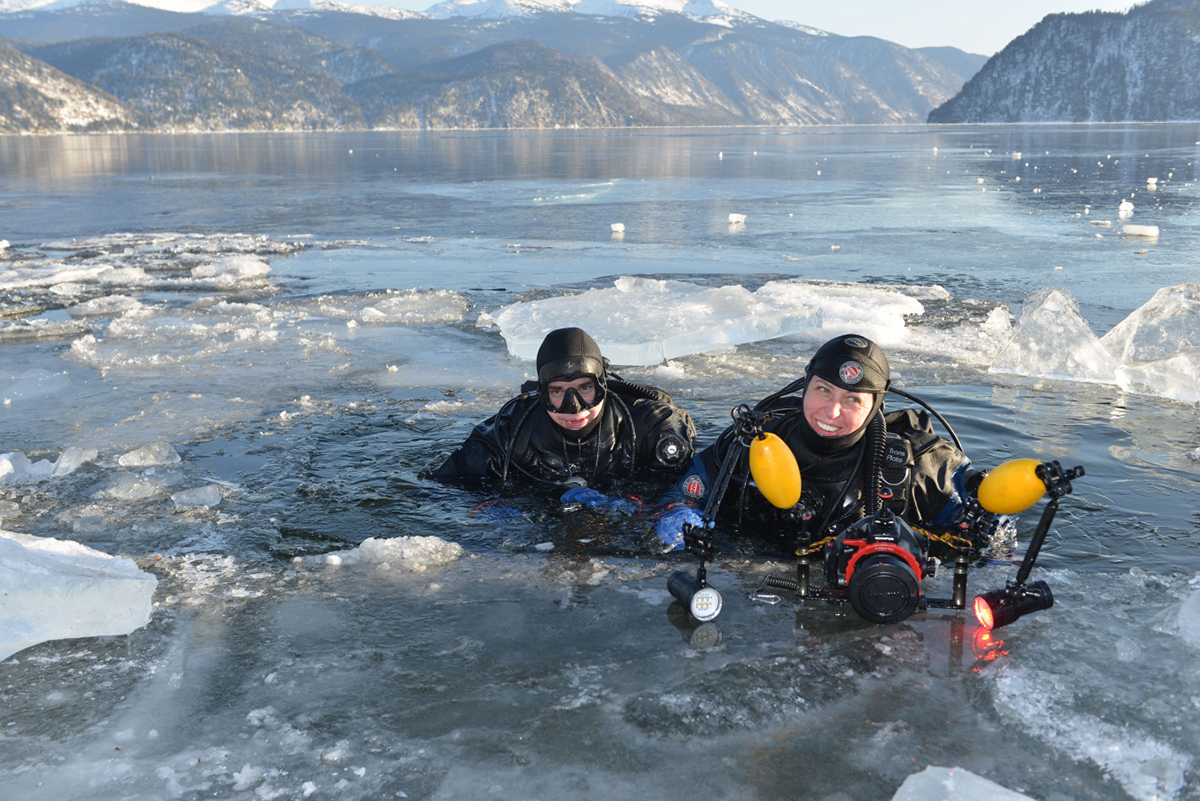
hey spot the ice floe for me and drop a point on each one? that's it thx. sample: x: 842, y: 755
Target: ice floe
x: 643, y: 321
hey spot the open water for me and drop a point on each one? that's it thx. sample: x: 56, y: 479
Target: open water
x: 309, y: 322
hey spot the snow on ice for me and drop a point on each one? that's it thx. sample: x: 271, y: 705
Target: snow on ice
x: 414, y: 554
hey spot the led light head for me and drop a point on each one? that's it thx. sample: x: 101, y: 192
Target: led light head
x: 704, y: 603
x: 998, y: 608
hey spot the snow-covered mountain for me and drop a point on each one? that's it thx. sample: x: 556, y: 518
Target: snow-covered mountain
x: 471, y: 9
x: 1093, y: 67
x: 323, y: 64
x: 218, y: 7
x: 37, y: 98
x: 501, y: 9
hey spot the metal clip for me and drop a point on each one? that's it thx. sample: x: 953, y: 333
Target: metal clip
x: 765, y: 597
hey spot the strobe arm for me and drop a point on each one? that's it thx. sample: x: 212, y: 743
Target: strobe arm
x: 1000, y: 607
x: 1058, y: 484
x: 704, y: 602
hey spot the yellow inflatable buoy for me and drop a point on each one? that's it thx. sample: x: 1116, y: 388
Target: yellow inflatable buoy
x: 1012, y: 487
x: 775, y: 471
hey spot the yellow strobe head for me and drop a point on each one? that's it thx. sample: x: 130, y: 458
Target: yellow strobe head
x: 1012, y: 487
x: 775, y: 470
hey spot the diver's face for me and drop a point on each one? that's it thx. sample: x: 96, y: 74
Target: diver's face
x: 586, y: 387
x: 834, y: 412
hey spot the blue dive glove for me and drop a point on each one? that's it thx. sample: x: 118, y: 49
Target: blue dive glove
x: 669, y: 528
x: 589, y: 498
x: 496, y: 510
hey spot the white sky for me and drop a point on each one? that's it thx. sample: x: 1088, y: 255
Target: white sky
x: 977, y: 27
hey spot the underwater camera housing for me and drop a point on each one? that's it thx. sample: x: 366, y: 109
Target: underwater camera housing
x: 880, y: 561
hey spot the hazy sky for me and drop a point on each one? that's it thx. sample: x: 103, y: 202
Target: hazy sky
x: 977, y: 27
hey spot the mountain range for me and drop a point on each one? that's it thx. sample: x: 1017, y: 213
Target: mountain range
x: 322, y: 65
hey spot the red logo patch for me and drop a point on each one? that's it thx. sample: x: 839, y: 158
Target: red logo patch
x: 851, y: 373
x: 693, y: 487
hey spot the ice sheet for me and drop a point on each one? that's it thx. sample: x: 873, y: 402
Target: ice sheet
x: 1045, y: 706
x: 56, y: 589
x: 643, y: 321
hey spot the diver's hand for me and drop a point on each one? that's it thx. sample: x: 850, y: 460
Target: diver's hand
x: 588, y: 498
x: 669, y: 528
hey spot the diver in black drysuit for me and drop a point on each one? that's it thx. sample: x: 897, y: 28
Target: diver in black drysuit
x: 853, y: 462
x: 577, y: 426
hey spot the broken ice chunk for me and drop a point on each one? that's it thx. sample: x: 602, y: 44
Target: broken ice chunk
x: 71, y: 459
x: 156, y: 453
x: 1157, y: 347
x: 55, y: 589
x: 207, y: 496
x: 952, y: 784
x: 1052, y: 339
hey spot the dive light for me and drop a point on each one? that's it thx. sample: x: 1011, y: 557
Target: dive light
x: 1000, y: 607
x: 702, y: 601
x: 778, y: 478
x: 1014, y: 487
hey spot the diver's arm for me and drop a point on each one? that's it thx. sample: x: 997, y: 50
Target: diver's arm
x: 952, y: 495
x: 666, y: 435
x: 477, y: 459
x: 481, y: 456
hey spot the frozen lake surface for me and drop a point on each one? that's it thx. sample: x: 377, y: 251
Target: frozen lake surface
x: 229, y: 363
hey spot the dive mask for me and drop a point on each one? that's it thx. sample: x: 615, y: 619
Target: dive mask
x: 571, y: 401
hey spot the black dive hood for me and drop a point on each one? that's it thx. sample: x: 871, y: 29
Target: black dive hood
x: 853, y: 363
x: 565, y: 355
